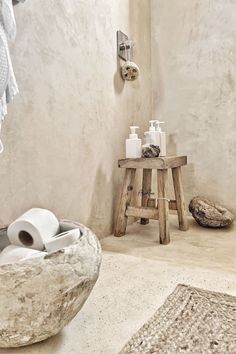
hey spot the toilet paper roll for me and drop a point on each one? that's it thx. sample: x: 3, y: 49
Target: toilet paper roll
x: 62, y: 240
x: 33, y: 228
x: 12, y: 254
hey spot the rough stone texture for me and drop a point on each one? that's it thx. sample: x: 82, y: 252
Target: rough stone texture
x: 73, y: 103
x: 194, y: 91
x: 39, y: 296
x: 210, y: 214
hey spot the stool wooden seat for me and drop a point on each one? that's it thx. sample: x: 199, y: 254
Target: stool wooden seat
x: 149, y: 209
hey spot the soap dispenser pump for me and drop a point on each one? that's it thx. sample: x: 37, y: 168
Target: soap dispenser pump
x: 133, y: 145
x: 161, y: 138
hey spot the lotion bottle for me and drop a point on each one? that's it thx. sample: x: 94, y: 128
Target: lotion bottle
x: 152, y: 132
x: 133, y: 145
x: 161, y: 139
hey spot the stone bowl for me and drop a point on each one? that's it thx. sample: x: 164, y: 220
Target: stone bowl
x: 40, y: 295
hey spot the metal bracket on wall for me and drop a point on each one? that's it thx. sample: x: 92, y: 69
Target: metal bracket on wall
x: 124, y: 46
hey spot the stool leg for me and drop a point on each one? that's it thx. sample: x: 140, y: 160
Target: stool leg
x: 179, y: 196
x: 125, y: 198
x: 163, y: 206
x: 146, y: 190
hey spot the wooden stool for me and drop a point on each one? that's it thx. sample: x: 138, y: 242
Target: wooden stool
x: 149, y: 210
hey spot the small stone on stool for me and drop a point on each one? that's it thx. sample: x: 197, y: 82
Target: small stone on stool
x: 150, y: 151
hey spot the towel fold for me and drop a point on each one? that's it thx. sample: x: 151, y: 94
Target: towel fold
x: 7, y: 19
x: 8, y: 83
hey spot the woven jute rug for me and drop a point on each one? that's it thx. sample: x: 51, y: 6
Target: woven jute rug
x: 191, y: 321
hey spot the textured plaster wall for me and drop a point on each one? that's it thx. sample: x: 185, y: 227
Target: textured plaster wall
x: 66, y: 129
x: 194, y: 78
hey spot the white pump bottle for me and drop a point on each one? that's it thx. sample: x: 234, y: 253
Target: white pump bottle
x: 160, y: 138
x: 133, y: 145
x: 152, y: 132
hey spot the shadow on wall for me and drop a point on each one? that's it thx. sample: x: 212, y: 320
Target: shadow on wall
x: 171, y: 145
x: 188, y: 172
x: 189, y: 178
x: 158, y: 91
x: 102, y: 203
x: 105, y: 200
x: 118, y: 82
x: 136, y: 9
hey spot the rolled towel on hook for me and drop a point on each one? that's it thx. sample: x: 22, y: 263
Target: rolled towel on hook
x: 130, y: 71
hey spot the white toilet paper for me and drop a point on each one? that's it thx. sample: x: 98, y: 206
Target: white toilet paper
x: 62, y: 240
x: 33, y: 228
x: 13, y: 253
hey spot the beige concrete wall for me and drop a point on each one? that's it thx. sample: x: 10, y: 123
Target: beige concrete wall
x: 194, y: 75
x: 65, y: 131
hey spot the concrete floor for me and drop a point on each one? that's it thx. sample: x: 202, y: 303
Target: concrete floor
x: 209, y: 248
x: 137, y: 275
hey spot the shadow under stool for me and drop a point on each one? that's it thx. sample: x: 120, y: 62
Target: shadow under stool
x: 149, y: 209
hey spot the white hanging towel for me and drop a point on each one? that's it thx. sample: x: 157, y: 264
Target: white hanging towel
x: 7, y: 35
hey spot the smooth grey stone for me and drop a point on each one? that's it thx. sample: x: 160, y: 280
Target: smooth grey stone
x: 210, y: 214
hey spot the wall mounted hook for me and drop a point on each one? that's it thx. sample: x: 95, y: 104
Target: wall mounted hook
x: 124, y: 46
x: 129, y: 70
